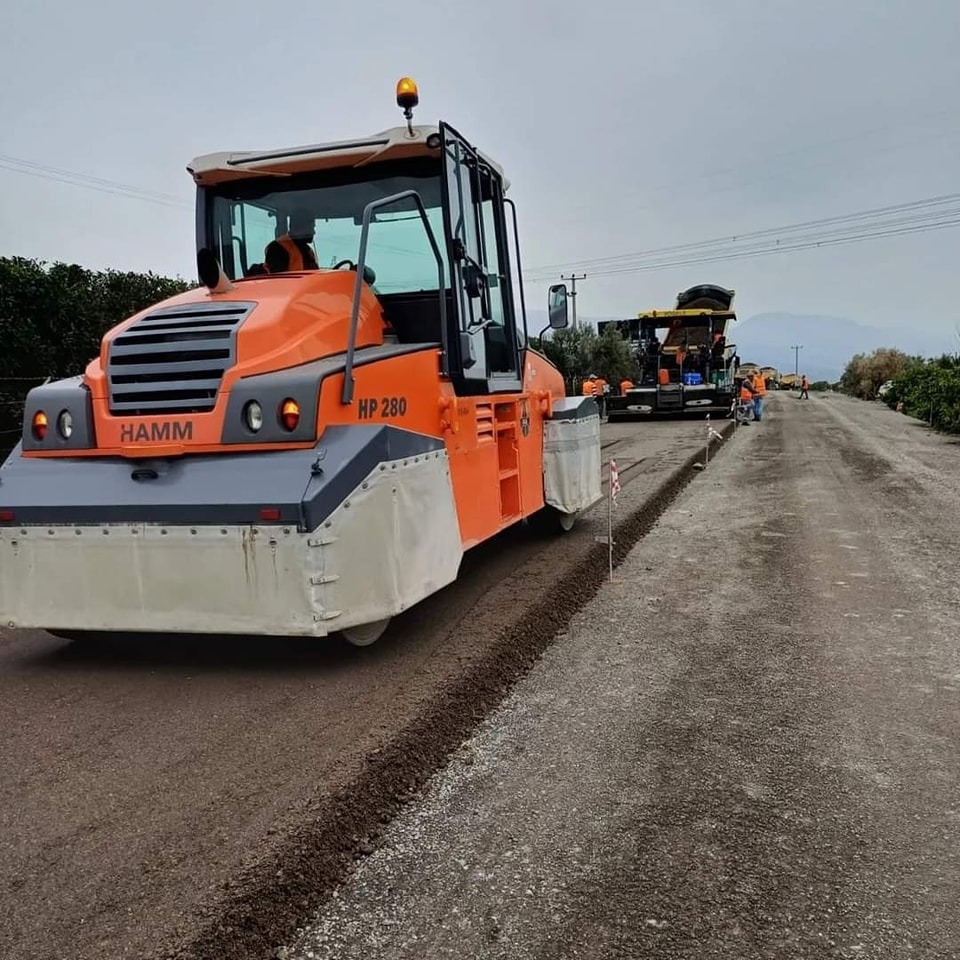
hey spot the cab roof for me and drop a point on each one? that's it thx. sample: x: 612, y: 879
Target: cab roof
x: 395, y: 143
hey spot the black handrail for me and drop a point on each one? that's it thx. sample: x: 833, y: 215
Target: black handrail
x: 516, y: 241
x: 368, y: 210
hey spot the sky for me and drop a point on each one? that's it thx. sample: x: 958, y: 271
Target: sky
x: 623, y: 126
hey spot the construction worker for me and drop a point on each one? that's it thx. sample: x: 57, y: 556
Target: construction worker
x: 746, y: 399
x: 587, y: 389
x: 760, y: 392
x: 625, y: 385
x: 804, y: 387
x: 600, y: 390
x: 293, y: 250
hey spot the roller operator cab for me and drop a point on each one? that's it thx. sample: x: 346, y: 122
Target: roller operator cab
x: 308, y: 441
x: 685, y: 363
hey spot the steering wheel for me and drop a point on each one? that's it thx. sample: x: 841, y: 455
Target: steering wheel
x: 368, y: 273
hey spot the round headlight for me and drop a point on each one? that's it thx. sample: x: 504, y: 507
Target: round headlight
x: 253, y: 415
x: 65, y: 424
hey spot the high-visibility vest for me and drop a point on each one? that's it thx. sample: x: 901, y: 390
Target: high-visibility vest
x: 598, y: 385
x: 745, y: 394
x: 625, y: 385
x: 759, y: 384
x: 587, y: 389
x: 287, y: 255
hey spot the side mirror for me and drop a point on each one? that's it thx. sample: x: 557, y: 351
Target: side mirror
x: 557, y: 306
x: 211, y: 273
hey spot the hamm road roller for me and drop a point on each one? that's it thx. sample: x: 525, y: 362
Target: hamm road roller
x: 307, y: 442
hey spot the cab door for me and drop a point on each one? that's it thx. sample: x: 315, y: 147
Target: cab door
x: 484, y: 344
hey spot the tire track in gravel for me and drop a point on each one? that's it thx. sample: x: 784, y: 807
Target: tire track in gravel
x: 198, y: 797
x: 254, y: 916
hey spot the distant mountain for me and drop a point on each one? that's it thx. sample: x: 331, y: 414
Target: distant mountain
x: 828, y: 342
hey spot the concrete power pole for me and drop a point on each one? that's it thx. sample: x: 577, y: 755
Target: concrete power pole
x: 796, y: 359
x: 573, y: 278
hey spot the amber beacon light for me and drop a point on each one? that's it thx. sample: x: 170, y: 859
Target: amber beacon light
x: 408, y: 96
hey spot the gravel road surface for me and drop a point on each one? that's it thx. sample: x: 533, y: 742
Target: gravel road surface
x: 196, y: 798
x: 744, y: 747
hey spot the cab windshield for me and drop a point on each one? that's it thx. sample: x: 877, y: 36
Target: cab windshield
x: 322, y: 213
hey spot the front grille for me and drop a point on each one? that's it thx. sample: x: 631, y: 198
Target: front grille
x: 173, y: 359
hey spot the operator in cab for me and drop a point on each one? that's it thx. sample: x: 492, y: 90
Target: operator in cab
x: 292, y: 251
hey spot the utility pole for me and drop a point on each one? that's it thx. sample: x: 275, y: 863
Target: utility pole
x: 796, y: 359
x: 573, y: 278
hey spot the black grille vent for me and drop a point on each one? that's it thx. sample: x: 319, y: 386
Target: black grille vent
x: 173, y: 360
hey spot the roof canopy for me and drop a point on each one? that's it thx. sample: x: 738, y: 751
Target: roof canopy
x: 397, y: 143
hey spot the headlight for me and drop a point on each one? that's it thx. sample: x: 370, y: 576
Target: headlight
x: 65, y: 424
x: 253, y: 415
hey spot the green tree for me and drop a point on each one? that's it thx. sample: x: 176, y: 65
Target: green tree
x: 571, y: 351
x: 613, y: 357
x: 52, y: 318
x: 930, y: 391
x: 865, y: 373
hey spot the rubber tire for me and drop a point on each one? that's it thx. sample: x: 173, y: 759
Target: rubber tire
x: 561, y: 522
x: 365, y: 634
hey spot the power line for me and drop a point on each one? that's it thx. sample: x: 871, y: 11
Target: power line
x: 848, y: 218
x: 775, y: 245
x: 774, y: 249
x: 115, y: 187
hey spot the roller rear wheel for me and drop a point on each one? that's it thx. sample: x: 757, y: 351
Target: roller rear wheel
x: 365, y: 634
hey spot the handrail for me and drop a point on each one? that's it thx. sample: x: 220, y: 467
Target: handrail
x: 519, y: 278
x: 368, y: 210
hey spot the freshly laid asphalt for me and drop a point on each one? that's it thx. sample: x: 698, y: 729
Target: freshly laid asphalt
x: 743, y: 747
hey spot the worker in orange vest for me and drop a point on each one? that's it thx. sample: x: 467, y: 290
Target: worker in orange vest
x: 293, y: 251
x: 760, y: 392
x: 600, y: 389
x: 804, y: 387
x: 625, y: 385
x: 746, y: 398
x: 587, y: 389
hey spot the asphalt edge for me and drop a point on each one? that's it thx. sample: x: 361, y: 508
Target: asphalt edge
x: 266, y: 906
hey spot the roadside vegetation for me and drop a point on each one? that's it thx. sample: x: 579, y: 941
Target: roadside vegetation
x: 578, y: 352
x: 925, y: 388
x: 52, y: 317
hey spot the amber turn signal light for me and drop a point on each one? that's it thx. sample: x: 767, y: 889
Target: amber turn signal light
x: 39, y: 425
x: 290, y: 414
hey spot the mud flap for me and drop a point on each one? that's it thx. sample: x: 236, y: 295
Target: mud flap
x: 571, y: 455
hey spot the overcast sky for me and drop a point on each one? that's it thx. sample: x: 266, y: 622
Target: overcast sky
x: 623, y: 126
